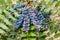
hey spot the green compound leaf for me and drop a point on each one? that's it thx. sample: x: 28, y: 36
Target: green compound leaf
x: 4, y: 26
x: 57, y: 35
x: 32, y: 27
x: 23, y: 35
x: 32, y: 34
x: 32, y: 38
x: 9, y: 15
x: 2, y: 32
x: 10, y: 39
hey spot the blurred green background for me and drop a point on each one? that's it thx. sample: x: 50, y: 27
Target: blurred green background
x: 6, y: 26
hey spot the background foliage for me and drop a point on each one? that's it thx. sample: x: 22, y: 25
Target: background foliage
x: 6, y: 25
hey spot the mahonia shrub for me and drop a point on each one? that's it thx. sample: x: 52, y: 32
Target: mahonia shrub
x: 29, y: 19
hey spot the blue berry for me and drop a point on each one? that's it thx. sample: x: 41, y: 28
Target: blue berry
x: 26, y: 24
x: 18, y: 22
x: 16, y: 6
x: 21, y: 4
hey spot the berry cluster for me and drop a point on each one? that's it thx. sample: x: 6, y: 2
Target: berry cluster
x: 29, y: 14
